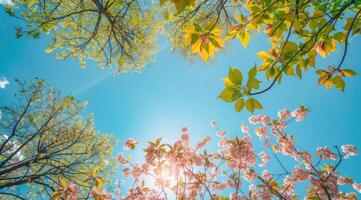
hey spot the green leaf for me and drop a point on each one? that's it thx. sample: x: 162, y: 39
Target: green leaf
x: 229, y: 84
x: 253, y: 82
x: 235, y: 76
x: 298, y: 71
x: 290, y: 71
x: 249, y: 105
x: 252, y: 104
x: 257, y: 104
x: 320, y: 71
x: 9, y: 10
x: 348, y: 72
x: 290, y: 47
x: 19, y: 32
x: 229, y: 95
x: 239, y: 105
x: 339, y: 83
x: 340, y: 37
x: 265, y: 56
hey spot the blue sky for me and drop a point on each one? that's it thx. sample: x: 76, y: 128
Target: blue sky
x: 171, y: 93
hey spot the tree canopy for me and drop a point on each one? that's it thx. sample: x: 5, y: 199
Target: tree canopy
x: 297, y: 31
x: 45, y: 145
x: 113, y: 33
x: 124, y: 33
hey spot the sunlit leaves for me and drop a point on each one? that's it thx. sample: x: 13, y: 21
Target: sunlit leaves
x: 325, y: 47
x: 334, y: 77
x: 234, y: 91
x: 338, y: 83
x: 252, y: 104
x: 267, y: 57
x: 253, y: 82
x: 298, y: 32
x: 348, y: 72
x: 239, y: 105
x: 180, y: 5
x: 356, y: 26
x: 235, y: 76
x: 324, y: 78
x: 120, y: 34
x: 237, y: 31
x: 57, y: 143
x: 230, y: 94
x: 203, y: 41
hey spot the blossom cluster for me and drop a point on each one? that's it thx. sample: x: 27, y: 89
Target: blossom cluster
x: 235, y: 170
x: 186, y: 171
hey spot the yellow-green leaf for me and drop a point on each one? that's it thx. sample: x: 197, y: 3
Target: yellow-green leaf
x: 249, y: 105
x: 239, y: 105
x: 229, y: 95
x: 338, y: 83
x: 63, y: 183
x: 348, y: 72
x: 235, y: 76
x: 265, y: 56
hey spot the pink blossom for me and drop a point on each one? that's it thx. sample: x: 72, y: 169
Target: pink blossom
x: 138, y: 193
x: 264, y: 119
x: 100, y: 194
x: 71, y: 192
x: 219, y: 186
x: 234, y: 184
x: 118, y: 193
x: 349, y: 150
x: 185, y: 136
x: 241, y: 154
x: 221, y: 134
x: 126, y: 172
x: 265, y: 194
x: 252, y: 187
x: 357, y: 187
x: 130, y: 144
x: 300, y: 174
x: 286, y: 146
x: 249, y: 175
x: 184, y: 129
x: 244, y: 129
x: 284, y: 114
x: 289, y: 185
x: 136, y: 172
x: 306, y: 159
x: 264, y: 159
x: 254, y: 120
x: 299, y: 114
x: 343, y: 180
x: 222, y: 143
x: 266, y: 175
x: 326, y: 153
x: 280, y: 126
x: 261, y: 132
x: 234, y: 196
x: 330, y: 182
x: 203, y: 142
x: 214, y: 123
x: 122, y: 160
x: 198, y: 160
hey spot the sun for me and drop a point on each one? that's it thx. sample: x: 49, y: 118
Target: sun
x: 165, y: 175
